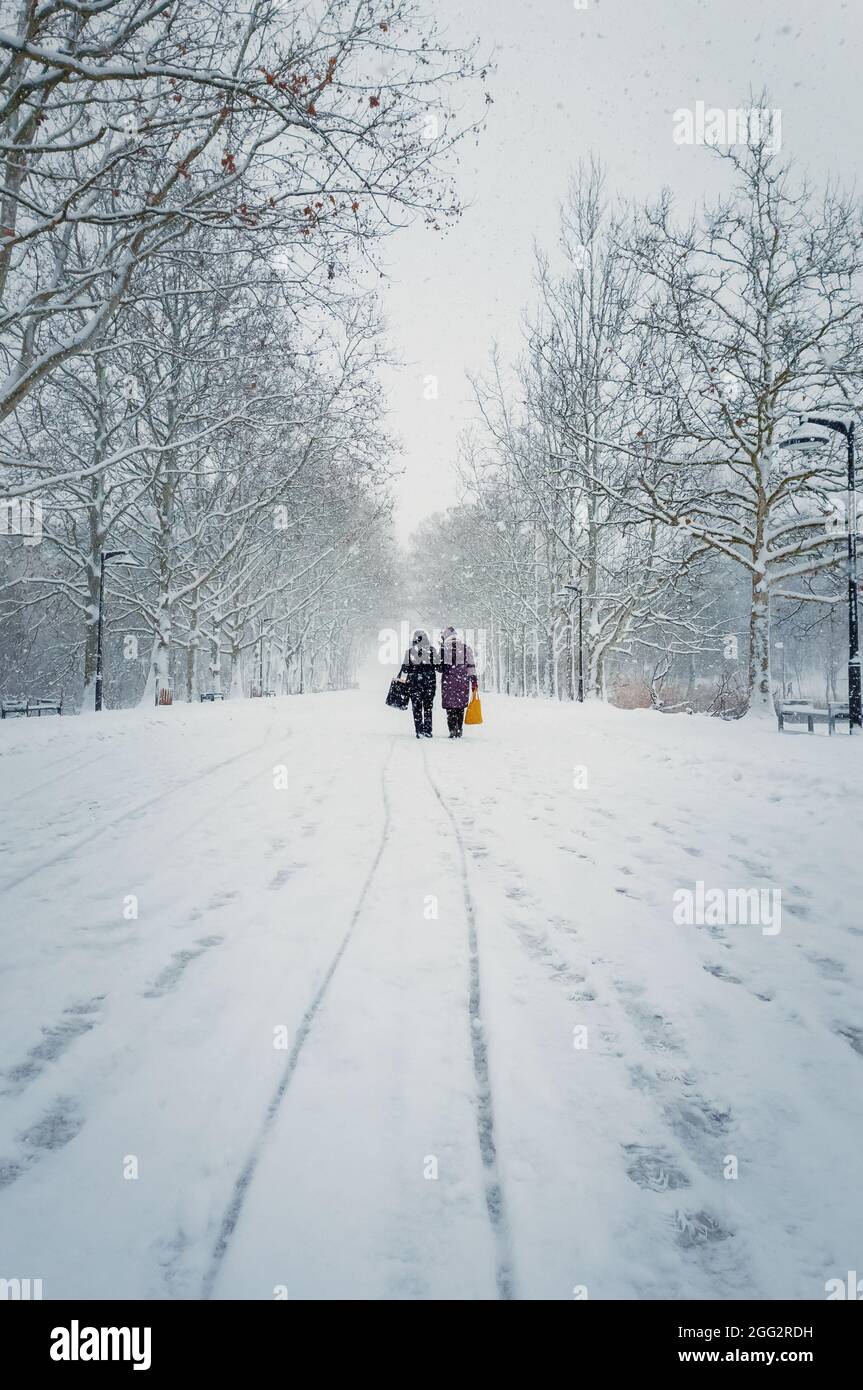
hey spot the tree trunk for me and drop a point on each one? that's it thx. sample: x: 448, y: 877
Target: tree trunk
x: 216, y: 657
x: 96, y: 526
x: 160, y: 657
x: 236, y: 688
x: 193, y: 648
x: 760, y: 694
x: 91, y: 636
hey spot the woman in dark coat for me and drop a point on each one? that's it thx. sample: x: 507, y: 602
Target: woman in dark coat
x: 458, y: 678
x: 418, y: 668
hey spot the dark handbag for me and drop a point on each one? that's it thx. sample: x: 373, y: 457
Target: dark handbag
x: 399, y: 696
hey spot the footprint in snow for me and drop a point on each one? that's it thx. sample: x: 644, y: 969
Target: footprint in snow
x: 695, y: 1117
x: 78, y: 1019
x: 170, y: 1251
x: 674, y: 1076
x: 653, y: 1169
x: 534, y: 944
x: 168, y: 978
x: 221, y: 900
x: 698, y: 1228
x: 852, y: 1035
x: 829, y: 968
x: 57, y: 1127
x: 641, y: 1078
x: 10, y: 1171
x: 538, y: 948
x: 699, y: 1127
x: 656, y: 1031
x: 562, y: 975
x: 799, y: 910
x: 801, y: 892
x: 609, y: 1043
x: 585, y: 858
x: 564, y: 924
x: 720, y: 973
x: 756, y: 870
x: 713, y: 930
x: 284, y: 875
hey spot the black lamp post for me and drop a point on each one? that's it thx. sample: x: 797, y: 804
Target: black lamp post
x: 855, y: 706
x: 106, y: 555
x: 574, y: 589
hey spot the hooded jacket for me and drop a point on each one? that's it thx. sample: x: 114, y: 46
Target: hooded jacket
x: 419, y: 666
x: 458, y: 670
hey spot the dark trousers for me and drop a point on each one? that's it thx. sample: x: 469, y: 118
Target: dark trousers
x: 455, y: 721
x: 422, y: 704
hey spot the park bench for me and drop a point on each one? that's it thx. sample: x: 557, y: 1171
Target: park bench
x: 210, y: 695
x: 841, y: 714
x: 42, y: 706
x: 29, y: 708
x: 804, y: 712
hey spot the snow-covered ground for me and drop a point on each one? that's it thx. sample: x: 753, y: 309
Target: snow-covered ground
x: 421, y: 1023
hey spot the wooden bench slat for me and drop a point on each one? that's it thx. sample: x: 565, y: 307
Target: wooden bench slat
x: 39, y: 706
x: 802, y: 712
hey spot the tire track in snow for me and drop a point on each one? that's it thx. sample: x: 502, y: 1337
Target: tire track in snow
x: 494, y: 1199
x: 244, y: 1180
x: 58, y: 1037
x: 70, y: 850
x: 49, y: 782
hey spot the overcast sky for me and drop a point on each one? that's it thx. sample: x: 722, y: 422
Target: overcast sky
x: 570, y: 82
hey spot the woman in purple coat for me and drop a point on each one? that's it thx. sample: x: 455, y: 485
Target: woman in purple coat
x: 458, y: 678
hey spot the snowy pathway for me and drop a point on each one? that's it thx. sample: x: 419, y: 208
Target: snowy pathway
x: 419, y: 1024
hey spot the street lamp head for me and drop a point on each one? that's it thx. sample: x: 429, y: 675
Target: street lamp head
x: 123, y: 557
x: 808, y: 439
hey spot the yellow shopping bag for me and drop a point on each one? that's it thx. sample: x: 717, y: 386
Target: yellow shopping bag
x: 473, y: 714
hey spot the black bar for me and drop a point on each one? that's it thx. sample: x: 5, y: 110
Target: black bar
x: 242, y: 1337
